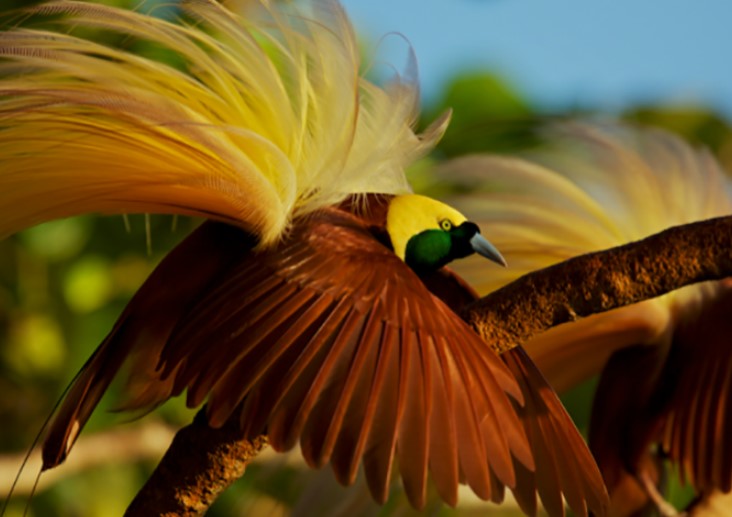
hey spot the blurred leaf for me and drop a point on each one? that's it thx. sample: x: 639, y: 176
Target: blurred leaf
x: 36, y: 345
x: 488, y: 115
x: 696, y: 124
x: 57, y: 240
x: 88, y: 284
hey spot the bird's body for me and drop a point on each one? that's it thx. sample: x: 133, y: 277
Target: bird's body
x: 327, y: 339
x: 330, y: 340
x: 314, y: 307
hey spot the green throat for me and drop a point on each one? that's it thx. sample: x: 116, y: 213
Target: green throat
x: 431, y: 249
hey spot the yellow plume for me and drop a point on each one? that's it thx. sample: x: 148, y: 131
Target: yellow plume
x: 266, y: 118
x: 593, y: 188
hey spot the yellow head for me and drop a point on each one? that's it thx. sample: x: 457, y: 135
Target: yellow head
x: 427, y: 234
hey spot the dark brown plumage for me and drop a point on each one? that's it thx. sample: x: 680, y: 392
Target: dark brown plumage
x: 565, y: 469
x: 328, y: 339
x: 670, y: 401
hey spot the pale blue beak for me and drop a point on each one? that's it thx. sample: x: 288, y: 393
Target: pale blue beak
x: 484, y: 248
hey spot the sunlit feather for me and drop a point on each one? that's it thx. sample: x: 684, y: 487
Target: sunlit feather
x: 593, y: 188
x: 266, y: 118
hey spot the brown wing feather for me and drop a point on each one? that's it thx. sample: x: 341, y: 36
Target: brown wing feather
x: 678, y: 395
x: 142, y: 329
x: 698, y: 429
x: 564, y: 463
x: 564, y: 466
x: 331, y: 340
x: 378, y: 455
x: 443, y: 444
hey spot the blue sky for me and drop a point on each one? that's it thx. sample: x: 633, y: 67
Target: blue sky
x: 606, y: 54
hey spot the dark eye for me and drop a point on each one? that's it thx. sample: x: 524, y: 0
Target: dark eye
x: 446, y: 225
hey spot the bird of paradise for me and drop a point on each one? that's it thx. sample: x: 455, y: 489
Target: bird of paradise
x: 666, y: 365
x: 314, y: 305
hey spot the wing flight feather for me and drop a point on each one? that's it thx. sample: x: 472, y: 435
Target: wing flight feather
x: 373, y: 369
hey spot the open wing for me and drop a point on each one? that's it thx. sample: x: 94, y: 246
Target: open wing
x: 328, y: 339
x: 331, y: 340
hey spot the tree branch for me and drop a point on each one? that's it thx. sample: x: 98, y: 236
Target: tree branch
x: 604, y: 280
x: 201, y: 462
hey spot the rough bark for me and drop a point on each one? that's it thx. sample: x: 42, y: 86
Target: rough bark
x: 202, y: 462
x: 603, y: 280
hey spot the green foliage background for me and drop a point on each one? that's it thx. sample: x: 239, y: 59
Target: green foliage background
x: 63, y: 284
